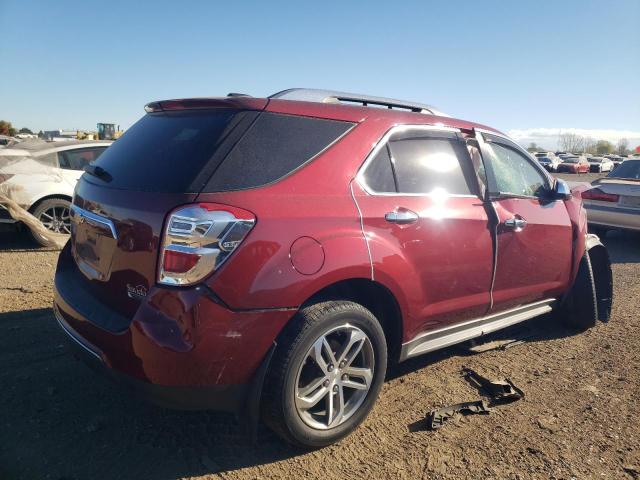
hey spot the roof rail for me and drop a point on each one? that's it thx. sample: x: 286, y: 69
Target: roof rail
x: 331, y: 96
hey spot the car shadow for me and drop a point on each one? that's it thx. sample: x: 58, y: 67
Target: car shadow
x: 60, y: 420
x: 539, y: 329
x: 623, y: 246
x: 18, y: 239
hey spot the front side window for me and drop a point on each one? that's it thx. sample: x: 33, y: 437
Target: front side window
x: 514, y: 173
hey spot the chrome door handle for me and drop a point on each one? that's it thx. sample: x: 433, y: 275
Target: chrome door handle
x: 515, y: 223
x: 401, y: 217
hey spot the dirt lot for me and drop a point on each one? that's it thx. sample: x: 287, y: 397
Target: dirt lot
x: 579, y: 418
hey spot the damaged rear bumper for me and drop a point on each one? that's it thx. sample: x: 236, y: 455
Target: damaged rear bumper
x: 180, y: 350
x: 227, y: 398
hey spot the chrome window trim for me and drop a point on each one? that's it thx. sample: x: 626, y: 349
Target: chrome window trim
x: 92, y: 217
x: 382, y: 143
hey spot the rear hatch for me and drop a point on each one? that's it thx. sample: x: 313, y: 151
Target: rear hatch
x: 119, y: 207
x: 163, y: 162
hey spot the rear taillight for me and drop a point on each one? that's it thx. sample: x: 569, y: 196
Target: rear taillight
x: 198, y: 238
x: 597, y: 194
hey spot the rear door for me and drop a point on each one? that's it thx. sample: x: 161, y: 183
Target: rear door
x: 426, y: 226
x: 534, y: 235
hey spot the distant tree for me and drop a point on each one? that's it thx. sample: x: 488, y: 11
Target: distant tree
x: 40, y: 134
x: 533, y: 147
x: 25, y: 130
x: 623, y: 146
x: 604, y: 147
x: 6, y: 128
x: 571, y: 142
x: 589, y: 145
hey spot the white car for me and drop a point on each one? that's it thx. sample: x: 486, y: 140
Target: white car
x: 600, y: 164
x: 41, y: 176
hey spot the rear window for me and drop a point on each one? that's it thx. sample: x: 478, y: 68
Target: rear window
x: 273, y: 147
x: 188, y: 151
x: 169, y: 151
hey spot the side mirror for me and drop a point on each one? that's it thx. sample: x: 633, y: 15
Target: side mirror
x: 561, y: 190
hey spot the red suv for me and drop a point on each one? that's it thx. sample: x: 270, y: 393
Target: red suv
x: 273, y: 256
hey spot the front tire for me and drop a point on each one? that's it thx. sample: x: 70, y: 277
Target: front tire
x: 325, y: 375
x: 580, y: 307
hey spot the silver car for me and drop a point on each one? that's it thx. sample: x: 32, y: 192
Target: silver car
x: 614, y: 201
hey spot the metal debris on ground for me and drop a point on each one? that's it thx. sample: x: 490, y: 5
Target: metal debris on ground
x: 499, y: 391
x: 436, y: 418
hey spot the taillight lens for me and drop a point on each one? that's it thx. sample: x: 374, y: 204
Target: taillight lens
x: 198, y: 238
x: 597, y: 194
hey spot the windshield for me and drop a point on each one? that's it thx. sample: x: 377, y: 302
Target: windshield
x: 571, y: 160
x: 627, y: 169
x: 595, y: 160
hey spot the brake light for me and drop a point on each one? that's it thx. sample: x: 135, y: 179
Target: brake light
x: 198, y: 238
x: 597, y: 194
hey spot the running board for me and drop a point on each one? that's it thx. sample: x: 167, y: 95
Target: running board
x: 430, y: 341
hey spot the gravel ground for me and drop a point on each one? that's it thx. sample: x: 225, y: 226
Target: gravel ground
x: 578, y: 419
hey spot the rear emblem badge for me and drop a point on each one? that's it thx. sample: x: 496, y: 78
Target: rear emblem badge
x: 136, y: 292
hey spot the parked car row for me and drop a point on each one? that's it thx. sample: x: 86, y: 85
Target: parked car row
x: 577, y: 163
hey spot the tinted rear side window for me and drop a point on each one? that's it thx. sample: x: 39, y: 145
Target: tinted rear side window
x: 423, y: 165
x: 273, y: 147
x: 168, y: 151
x: 379, y: 174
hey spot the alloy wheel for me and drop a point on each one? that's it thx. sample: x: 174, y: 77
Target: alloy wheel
x: 335, y: 377
x: 56, y: 219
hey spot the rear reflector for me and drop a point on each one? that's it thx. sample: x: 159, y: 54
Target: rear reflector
x: 599, y: 195
x: 198, y: 238
x: 179, y: 262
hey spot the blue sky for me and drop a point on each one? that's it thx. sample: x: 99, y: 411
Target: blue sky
x: 512, y: 65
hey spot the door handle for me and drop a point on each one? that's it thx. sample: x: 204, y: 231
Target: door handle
x: 401, y: 217
x: 515, y: 223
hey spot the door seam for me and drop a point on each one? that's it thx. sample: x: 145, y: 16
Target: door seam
x: 364, y: 236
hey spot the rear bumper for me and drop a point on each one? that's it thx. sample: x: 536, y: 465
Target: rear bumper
x: 181, y: 349
x: 614, y: 217
x: 228, y: 398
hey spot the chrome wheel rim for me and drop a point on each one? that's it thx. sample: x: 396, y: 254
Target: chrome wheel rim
x: 334, y: 377
x: 56, y: 219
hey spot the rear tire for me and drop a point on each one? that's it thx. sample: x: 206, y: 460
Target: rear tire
x: 580, y: 307
x: 295, y: 379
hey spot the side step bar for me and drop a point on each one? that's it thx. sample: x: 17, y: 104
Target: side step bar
x: 434, y: 340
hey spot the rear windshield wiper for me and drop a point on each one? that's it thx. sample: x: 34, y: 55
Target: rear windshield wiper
x: 99, y: 172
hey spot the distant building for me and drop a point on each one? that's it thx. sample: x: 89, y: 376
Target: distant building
x: 59, y: 134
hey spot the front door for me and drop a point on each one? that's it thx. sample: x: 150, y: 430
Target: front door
x: 426, y: 226
x: 534, y: 234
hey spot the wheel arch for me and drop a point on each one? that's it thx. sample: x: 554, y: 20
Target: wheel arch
x: 602, y: 275
x: 375, y: 297
x: 61, y: 196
